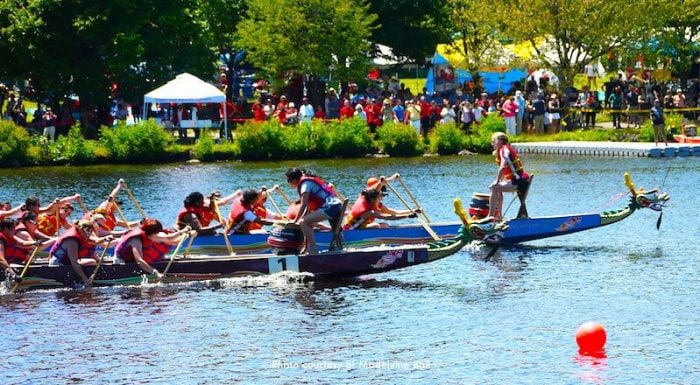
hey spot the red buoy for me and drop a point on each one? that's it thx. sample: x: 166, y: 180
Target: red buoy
x: 591, y: 338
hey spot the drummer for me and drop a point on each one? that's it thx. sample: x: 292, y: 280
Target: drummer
x: 511, y: 176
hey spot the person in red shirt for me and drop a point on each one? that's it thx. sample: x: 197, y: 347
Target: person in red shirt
x: 426, y: 111
x: 347, y: 111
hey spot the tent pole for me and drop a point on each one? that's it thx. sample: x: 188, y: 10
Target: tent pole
x: 225, y: 121
x: 145, y: 111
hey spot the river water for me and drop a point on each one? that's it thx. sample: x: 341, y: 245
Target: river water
x: 457, y: 321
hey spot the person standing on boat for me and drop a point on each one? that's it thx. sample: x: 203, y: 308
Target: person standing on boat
x: 198, y: 216
x: 510, y: 177
x: 657, y: 119
x: 147, y: 244
x: 316, y: 195
x: 248, y: 213
x: 76, y: 248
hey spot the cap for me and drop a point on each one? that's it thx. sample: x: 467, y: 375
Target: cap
x: 96, y: 217
x: 304, y: 99
x: 331, y: 89
x: 291, y: 105
x: 372, y: 181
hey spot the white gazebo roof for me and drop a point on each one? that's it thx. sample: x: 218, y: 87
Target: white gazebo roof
x: 185, y: 88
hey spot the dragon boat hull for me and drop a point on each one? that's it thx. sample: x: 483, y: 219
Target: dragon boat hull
x: 409, y: 234
x: 345, y: 263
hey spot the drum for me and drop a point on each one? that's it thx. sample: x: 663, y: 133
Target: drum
x: 479, y: 206
x: 285, y: 240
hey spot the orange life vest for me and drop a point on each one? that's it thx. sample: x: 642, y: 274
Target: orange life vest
x: 110, y: 219
x: 150, y: 251
x: 238, y: 224
x: 508, y: 172
x: 47, y: 224
x: 186, y: 211
x: 354, y: 219
x: 14, y: 253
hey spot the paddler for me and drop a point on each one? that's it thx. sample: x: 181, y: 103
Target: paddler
x: 147, y: 244
x: 248, y: 214
x: 12, y: 249
x: 315, y: 193
x: 76, y: 248
x: 198, y: 216
x: 28, y: 230
x: 49, y: 225
x: 33, y: 204
x: 107, y: 210
x: 511, y: 175
x: 369, y: 207
x: 6, y: 210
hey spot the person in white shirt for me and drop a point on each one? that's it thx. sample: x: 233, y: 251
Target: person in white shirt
x: 306, y: 111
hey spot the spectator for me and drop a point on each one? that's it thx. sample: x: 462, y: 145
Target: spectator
x: 538, y: 111
x: 49, y: 124
x: 332, y: 105
x: 346, y: 112
x: 306, y: 111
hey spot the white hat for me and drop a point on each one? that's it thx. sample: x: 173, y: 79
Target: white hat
x: 291, y: 105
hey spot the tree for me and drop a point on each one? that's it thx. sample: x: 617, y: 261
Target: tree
x: 328, y: 38
x: 476, y: 32
x: 412, y: 28
x: 576, y: 32
x: 89, y: 48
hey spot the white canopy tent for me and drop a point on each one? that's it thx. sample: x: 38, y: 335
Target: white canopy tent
x: 187, y: 88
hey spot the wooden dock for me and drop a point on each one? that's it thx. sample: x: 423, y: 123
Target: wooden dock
x: 611, y: 149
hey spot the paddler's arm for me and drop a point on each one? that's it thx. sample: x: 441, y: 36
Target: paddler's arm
x: 303, y: 207
x: 71, y: 246
x: 10, y: 212
x: 137, y: 252
x: 228, y: 199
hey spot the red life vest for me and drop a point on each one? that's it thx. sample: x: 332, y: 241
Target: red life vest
x: 110, y: 219
x: 238, y: 224
x: 150, y: 251
x: 206, y: 216
x: 86, y: 249
x: 14, y: 253
x: 197, y: 211
x: 261, y: 212
x: 47, y: 224
x: 315, y: 201
x: 354, y: 219
x: 515, y: 160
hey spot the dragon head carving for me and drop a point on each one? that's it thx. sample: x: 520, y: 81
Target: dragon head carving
x: 652, y: 199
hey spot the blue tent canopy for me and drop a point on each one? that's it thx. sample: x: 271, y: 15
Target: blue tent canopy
x: 493, y: 81
x: 439, y: 62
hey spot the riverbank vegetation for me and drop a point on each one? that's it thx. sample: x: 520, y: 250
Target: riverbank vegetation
x: 148, y: 142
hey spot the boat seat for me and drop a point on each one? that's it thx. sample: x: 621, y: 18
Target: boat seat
x: 523, y: 190
x: 336, y: 227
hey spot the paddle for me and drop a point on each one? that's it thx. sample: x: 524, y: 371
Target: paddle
x: 172, y: 256
x: 422, y: 223
x: 284, y: 195
x: 99, y: 262
x: 413, y: 198
x: 82, y: 205
x: 133, y: 199
x: 337, y: 193
x: 492, y: 252
x: 269, y: 196
x: 24, y: 270
x: 223, y: 222
x: 189, y: 244
x: 121, y: 213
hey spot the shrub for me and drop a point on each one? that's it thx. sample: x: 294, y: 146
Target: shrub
x: 259, y: 141
x: 492, y: 123
x: 204, y: 149
x: 145, y: 141
x: 349, y: 138
x: 14, y: 144
x: 399, y: 140
x: 76, y: 149
x: 306, y: 140
x: 646, y: 132
x: 447, y: 139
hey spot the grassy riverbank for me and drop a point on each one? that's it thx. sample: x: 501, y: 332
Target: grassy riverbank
x: 148, y: 142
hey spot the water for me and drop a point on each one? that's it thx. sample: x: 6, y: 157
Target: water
x: 456, y: 321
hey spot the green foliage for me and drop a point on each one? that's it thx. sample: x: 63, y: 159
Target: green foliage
x: 350, y: 138
x: 14, y: 143
x: 646, y: 132
x: 143, y: 142
x: 306, y: 140
x: 399, y: 140
x: 204, y: 149
x: 673, y: 120
x: 260, y: 141
x: 312, y: 37
x: 76, y: 149
x: 492, y: 123
x: 447, y: 139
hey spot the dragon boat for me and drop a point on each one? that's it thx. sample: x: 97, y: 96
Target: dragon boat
x: 332, y: 264
x: 523, y: 229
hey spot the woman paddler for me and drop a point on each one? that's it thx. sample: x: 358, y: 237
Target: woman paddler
x: 198, y: 216
x: 49, y: 225
x: 314, y: 193
x: 510, y: 177
x: 248, y: 214
x: 12, y: 249
x: 28, y: 230
x: 6, y: 210
x: 369, y: 207
x: 147, y: 244
x: 76, y: 247
x: 107, y: 220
